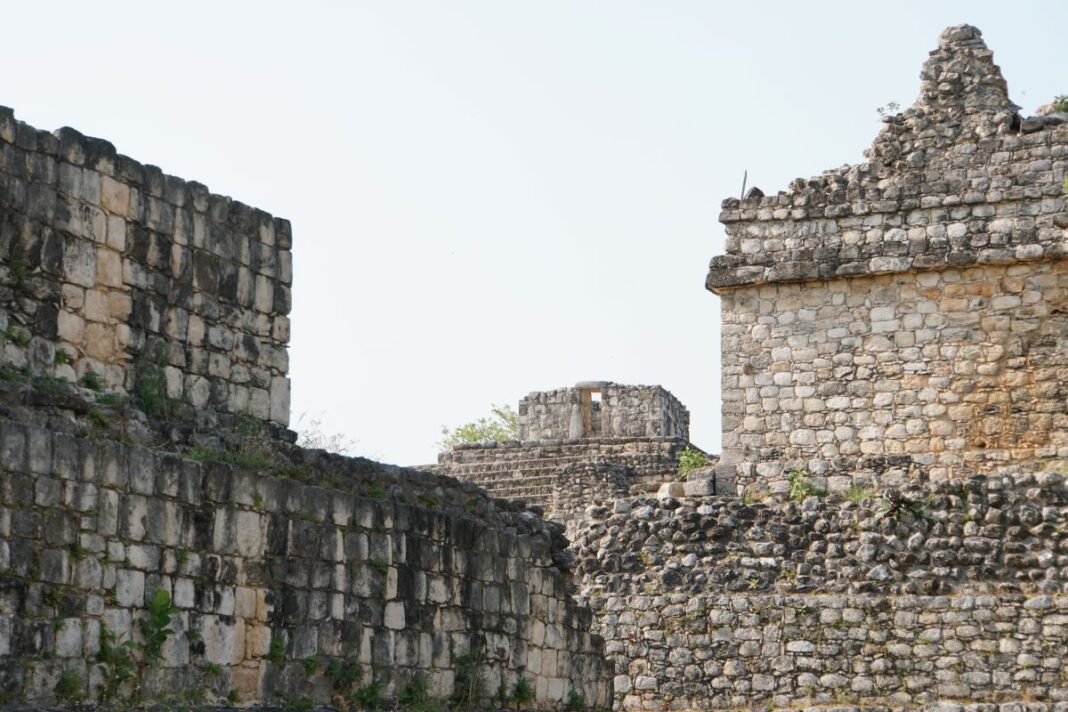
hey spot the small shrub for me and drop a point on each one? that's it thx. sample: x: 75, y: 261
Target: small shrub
x: 277, y: 652
x: 416, y: 697
x: 299, y: 703
x: 210, y: 669
x: 70, y: 687
x: 311, y: 665
x: 800, y: 487
x: 233, y: 697
x: 109, y: 398
x: 857, y: 494
x: 17, y: 269
x: 522, y: 693
x: 690, y: 459
x: 575, y: 702
x: 374, y: 490
x: 61, y: 357
x: 469, y: 686
x: 342, y: 677
x: 91, y: 380
x: 155, y: 626
x: 888, y: 109
x: 1060, y: 103
x: 115, y: 659
x: 369, y: 697
x: 150, y: 387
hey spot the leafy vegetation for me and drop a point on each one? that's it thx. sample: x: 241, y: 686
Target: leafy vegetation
x: 91, y: 380
x: 150, y: 387
x: 155, y: 626
x: 858, y: 494
x: 522, y: 693
x: 800, y: 487
x: 70, y: 687
x: 415, y: 697
x: 118, y: 666
x: 248, y: 457
x: 691, y: 459
x: 1060, y: 103
x: 500, y: 426
x: 277, y: 652
x: 469, y: 686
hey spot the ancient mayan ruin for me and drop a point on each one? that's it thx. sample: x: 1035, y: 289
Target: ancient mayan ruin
x: 885, y: 529
x: 581, y: 446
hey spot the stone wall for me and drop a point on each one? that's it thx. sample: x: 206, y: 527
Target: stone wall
x: 901, y: 598
x: 623, y: 411
x: 111, y: 267
x: 912, y: 306
x: 536, y: 472
x: 398, y: 572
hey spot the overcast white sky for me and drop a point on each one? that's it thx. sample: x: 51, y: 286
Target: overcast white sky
x: 490, y: 198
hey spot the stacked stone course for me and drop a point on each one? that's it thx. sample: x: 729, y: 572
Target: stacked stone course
x: 911, y: 308
x: 121, y: 267
x: 89, y: 529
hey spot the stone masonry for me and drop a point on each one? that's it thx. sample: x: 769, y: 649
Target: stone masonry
x: 579, y: 446
x: 122, y: 288
x: 113, y: 268
x: 400, y: 575
x: 905, y: 317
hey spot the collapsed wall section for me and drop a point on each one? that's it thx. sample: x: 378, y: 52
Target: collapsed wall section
x: 111, y: 268
x: 398, y: 575
x: 906, y: 314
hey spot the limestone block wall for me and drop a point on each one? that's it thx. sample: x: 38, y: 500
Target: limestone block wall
x: 944, y: 373
x: 623, y: 411
x: 909, y: 307
x: 111, y: 267
x: 402, y: 578
x: 900, y: 598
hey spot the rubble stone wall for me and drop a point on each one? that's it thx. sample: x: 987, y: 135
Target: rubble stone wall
x: 957, y: 591
x: 402, y: 574
x: 911, y: 306
x: 111, y: 267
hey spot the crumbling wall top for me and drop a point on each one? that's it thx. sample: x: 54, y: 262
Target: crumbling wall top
x: 909, y: 205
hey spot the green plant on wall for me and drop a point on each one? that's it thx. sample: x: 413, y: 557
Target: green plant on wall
x: 522, y: 692
x: 690, y: 459
x: 155, y: 626
x: 800, y: 487
x: 118, y: 667
x: 1060, y: 103
x: 70, y: 687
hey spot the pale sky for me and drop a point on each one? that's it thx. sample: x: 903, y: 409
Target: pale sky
x: 491, y: 198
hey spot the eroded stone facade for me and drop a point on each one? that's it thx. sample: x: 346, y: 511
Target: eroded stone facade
x: 401, y: 575
x: 113, y: 268
x: 906, y: 315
